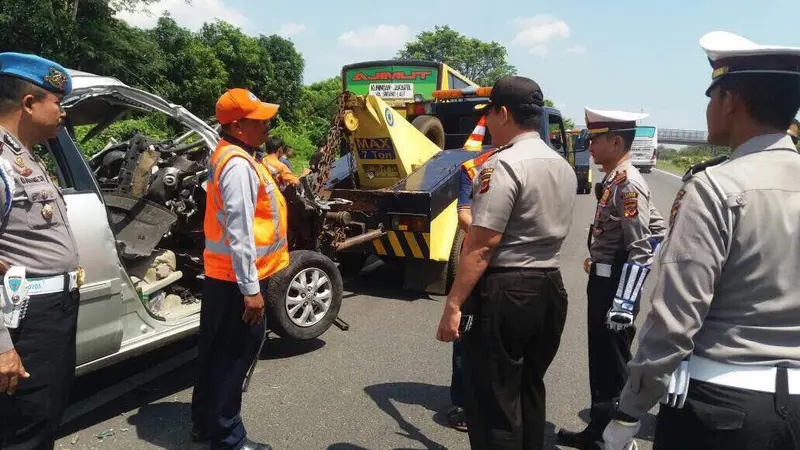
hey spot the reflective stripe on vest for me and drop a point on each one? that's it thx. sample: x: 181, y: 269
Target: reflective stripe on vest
x: 271, y: 254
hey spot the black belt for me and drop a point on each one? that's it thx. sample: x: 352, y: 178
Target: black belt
x: 522, y: 270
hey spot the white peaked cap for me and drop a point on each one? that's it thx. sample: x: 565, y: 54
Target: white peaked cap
x: 729, y: 53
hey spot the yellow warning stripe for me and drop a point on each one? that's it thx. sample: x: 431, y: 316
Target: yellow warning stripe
x: 379, y: 248
x: 412, y: 242
x: 403, y: 244
x: 396, y: 247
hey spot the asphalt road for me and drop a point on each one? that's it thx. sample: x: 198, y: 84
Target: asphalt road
x: 384, y: 384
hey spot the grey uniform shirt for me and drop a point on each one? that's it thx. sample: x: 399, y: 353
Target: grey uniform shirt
x: 625, y: 218
x: 728, y: 286
x: 527, y: 192
x: 238, y: 185
x: 36, y: 233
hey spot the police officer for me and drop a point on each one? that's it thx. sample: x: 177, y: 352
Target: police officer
x: 726, y: 316
x: 522, y: 211
x: 39, y: 258
x: 626, y: 228
x: 245, y: 230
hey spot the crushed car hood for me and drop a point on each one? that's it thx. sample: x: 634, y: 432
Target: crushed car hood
x: 96, y: 100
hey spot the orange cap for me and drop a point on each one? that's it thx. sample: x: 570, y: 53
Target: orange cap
x: 240, y: 103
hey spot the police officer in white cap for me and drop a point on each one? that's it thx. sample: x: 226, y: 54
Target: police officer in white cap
x: 727, y: 296
x: 626, y: 229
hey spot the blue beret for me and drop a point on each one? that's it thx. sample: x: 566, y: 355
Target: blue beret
x: 37, y: 70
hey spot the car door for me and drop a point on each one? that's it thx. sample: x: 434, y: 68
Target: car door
x: 101, y: 306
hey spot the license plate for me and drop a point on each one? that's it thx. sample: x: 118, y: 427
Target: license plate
x: 392, y: 90
x: 382, y: 170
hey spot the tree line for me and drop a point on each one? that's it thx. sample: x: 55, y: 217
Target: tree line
x: 194, y: 68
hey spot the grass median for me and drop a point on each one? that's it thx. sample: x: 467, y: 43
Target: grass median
x: 669, y: 167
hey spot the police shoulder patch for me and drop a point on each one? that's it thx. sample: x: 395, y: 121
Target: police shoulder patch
x: 485, y: 179
x: 630, y: 207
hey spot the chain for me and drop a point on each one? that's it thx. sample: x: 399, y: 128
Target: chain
x: 332, y: 144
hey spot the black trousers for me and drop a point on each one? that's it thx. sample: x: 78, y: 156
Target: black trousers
x: 609, y: 351
x: 227, y: 347
x: 519, y: 318
x: 725, y: 418
x: 45, y: 342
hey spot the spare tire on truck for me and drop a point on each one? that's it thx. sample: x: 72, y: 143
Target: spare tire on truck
x: 431, y: 127
x: 304, y: 297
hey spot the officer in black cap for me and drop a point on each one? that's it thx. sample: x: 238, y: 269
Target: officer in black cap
x: 39, y: 256
x: 523, y: 197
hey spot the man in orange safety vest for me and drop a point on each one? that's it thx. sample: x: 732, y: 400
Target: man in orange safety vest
x: 245, y: 232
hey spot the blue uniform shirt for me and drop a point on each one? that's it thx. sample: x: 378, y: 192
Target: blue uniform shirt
x: 464, y: 191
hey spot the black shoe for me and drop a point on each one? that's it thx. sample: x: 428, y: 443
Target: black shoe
x: 198, y: 436
x: 251, y: 445
x: 584, y: 440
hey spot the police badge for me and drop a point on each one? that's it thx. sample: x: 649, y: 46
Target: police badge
x: 15, y: 297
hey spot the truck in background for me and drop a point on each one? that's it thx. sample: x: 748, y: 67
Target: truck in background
x: 401, y: 82
x: 644, y: 148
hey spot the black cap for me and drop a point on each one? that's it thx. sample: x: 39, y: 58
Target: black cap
x: 517, y: 92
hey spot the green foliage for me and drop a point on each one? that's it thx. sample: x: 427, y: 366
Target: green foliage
x: 686, y: 157
x: 154, y: 126
x: 482, y: 62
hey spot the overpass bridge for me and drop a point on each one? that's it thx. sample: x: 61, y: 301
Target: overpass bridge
x: 676, y: 136
x: 682, y: 137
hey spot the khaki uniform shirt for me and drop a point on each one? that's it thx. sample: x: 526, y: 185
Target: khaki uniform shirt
x: 36, y: 233
x: 728, y: 289
x: 625, y: 219
x: 527, y: 192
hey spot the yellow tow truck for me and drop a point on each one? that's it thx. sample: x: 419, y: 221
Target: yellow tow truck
x: 393, y: 193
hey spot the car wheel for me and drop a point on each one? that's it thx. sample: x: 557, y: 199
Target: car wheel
x: 305, y: 297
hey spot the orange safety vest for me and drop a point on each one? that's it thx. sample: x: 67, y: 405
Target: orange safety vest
x: 269, y: 227
x: 280, y: 172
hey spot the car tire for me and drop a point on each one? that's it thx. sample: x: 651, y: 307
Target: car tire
x: 284, y: 295
x: 431, y: 127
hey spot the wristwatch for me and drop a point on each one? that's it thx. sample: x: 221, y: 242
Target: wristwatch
x: 618, y: 414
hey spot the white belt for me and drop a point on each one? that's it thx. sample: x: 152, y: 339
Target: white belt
x: 602, y: 270
x: 51, y: 285
x: 754, y: 378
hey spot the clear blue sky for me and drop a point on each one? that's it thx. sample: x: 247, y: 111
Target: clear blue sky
x: 610, y: 55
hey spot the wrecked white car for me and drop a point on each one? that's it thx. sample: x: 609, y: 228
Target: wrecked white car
x: 137, y: 209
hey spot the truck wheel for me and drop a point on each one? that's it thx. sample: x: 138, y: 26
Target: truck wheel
x: 455, y: 257
x: 305, y: 297
x: 431, y: 127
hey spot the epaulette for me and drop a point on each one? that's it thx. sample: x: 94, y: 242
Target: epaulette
x: 620, y: 177
x: 503, y: 147
x: 699, y: 167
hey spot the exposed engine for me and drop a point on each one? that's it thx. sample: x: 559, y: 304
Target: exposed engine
x: 153, y: 190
